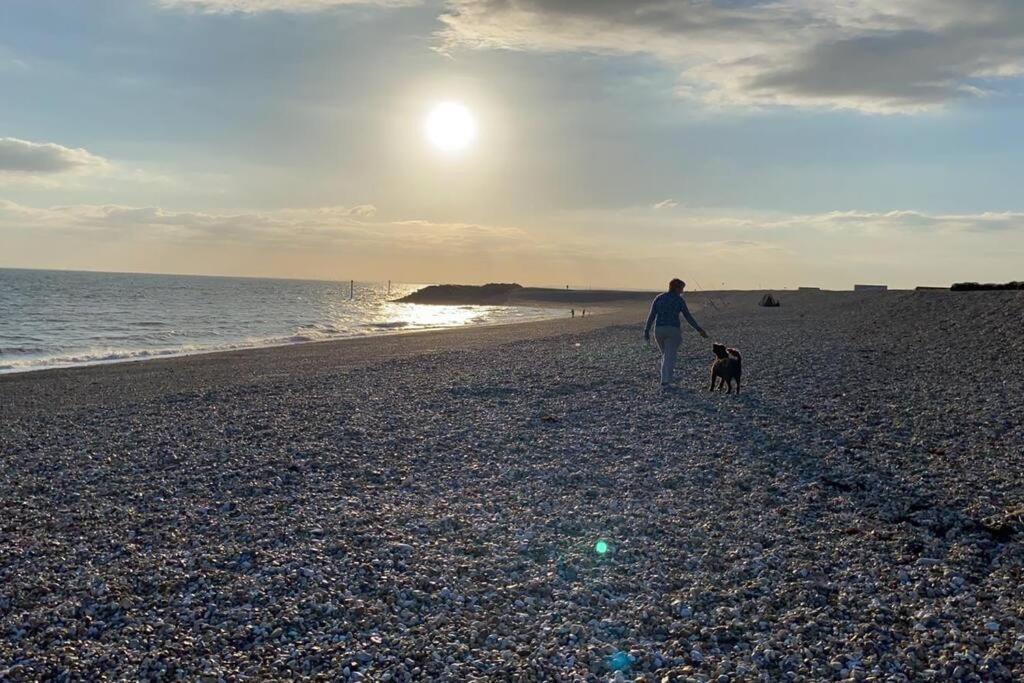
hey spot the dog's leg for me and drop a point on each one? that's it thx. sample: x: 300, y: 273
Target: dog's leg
x: 729, y: 391
x: 738, y: 385
x: 712, y: 381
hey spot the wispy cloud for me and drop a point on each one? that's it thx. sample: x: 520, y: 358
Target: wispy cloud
x: 149, y: 221
x: 903, y: 221
x: 45, y: 158
x: 357, y: 224
x: 665, y: 204
x: 871, y: 55
x: 635, y: 245
x: 361, y: 222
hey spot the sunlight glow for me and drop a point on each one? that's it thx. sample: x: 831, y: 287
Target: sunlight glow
x: 402, y: 316
x: 450, y: 127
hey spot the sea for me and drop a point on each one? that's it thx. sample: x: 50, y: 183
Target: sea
x: 53, y: 319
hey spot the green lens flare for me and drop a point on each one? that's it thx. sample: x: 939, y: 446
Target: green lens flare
x: 601, y: 547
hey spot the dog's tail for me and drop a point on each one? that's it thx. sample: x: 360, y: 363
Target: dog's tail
x: 736, y: 354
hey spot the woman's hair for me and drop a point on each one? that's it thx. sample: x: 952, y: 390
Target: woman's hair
x: 675, y: 283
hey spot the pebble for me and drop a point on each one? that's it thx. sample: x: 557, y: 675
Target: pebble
x: 851, y: 514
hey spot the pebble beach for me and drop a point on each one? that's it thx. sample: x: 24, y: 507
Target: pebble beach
x: 525, y: 503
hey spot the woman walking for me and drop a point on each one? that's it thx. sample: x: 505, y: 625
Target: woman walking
x: 664, y: 317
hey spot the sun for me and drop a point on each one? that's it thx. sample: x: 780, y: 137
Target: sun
x: 450, y: 127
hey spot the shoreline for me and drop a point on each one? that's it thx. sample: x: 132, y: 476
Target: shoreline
x: 145, y: 355
x: 96, y: 383
x: 156, y: 375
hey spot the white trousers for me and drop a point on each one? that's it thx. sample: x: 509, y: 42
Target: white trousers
x: 668, y: 338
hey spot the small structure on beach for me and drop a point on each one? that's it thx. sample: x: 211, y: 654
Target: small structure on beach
x: 769, y: 301
x: 870, y: 288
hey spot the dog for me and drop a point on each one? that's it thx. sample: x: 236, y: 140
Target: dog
x: 728, y: 366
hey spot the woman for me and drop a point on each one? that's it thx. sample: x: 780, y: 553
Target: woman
x: 668, y: 332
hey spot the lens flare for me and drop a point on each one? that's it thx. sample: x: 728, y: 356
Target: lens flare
x: 601, y: 547
x: 619, y: 661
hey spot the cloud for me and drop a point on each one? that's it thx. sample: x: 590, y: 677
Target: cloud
x: 12, y: 62
x: 629, y: 247
x: 255, y: 6
x: 296, y: 227
x: 750, y: 251
x: 870, y: 55
x: 691, y: 226
x: 45, y: 158
x: 359, y: 224
x: 363, y: 211
x: 902, y: 221
x: 284, y: 225
x: 665, y: 204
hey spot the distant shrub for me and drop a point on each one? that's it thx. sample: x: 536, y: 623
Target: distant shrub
x: 980, y: 287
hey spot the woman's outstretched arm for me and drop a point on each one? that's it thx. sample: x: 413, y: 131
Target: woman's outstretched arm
x: 689, y: 318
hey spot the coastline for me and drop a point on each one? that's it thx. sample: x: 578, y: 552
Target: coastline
x: 97, y: 383
x: 378, y: 330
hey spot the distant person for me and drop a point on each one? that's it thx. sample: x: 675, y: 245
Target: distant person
x: 584, y: 313
x: 668, y: 332
x: 572, y: 312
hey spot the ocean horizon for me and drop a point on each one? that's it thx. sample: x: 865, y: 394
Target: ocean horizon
x: 63, y: 318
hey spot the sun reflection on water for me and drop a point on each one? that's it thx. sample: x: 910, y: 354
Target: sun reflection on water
x: 423, y: 316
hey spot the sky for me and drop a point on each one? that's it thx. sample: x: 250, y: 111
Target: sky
x: 619, y: 143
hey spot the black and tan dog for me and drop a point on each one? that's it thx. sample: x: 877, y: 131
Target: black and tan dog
x: 728, y: 366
